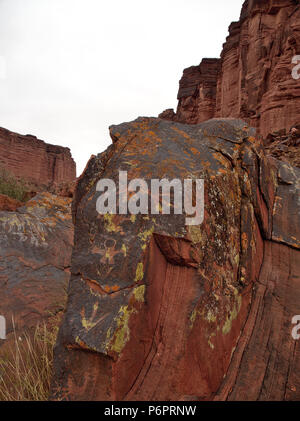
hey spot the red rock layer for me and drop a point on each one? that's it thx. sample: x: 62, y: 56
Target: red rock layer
x: 254, y: 81
x: 34, y: 160
x: 9, y: 204
x: 266, y: 362
x: 197, y: 93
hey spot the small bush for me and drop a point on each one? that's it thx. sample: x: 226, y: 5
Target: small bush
x: 11, y: 186
x: 26, y: 368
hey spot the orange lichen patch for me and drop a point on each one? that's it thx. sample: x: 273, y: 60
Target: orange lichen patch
x: 277, y: 205
x: 195, y: 151
x: 244, y: 241
x: 154, y: 137
x: 113, y: 288
x: 79, y: 345
x: 220, y: 158
x: 181, y: 132
x: 95, y: 287
x: 141, y: 124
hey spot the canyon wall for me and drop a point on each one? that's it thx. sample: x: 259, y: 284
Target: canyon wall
x: 34, y: 160
x: 253, y: 78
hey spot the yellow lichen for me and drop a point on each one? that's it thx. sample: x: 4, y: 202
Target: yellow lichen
x: 122, y: 334
x: 110, y: 226
x: 124, y: 250
x: 210, y: 342
x: 195, y: 232
x: 232, y: 315
x: 144, y: 235
x: 139, y: 293
x: 90, y: 323
x: 193, y: 318
x: 210, y: 316
x: 139, y: 273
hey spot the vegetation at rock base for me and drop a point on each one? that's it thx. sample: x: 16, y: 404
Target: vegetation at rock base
x: 26, y: 366
x: 11, y: 186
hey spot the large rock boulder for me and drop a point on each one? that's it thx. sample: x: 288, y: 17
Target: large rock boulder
x: 162, y: 310
x: 35, y: 252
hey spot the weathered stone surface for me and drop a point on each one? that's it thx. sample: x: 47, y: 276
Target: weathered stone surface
x: 35, y: 251
x: 63, y: 189
x: 284, y: 146
x: 265, y: 364
x: 9, y: 204
x: 34, y: 160
x: 159, y: 310
x: 254, y: 81
x: 197, y: 92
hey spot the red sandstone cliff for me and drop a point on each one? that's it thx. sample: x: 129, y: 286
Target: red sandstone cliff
x: 252, y: 80
x: 34, y: 160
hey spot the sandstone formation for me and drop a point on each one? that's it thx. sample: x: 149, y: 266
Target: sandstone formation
x: 35, y: 251
x: 253, y: 79
x: 159, y: 310
x: 284, y: 146
x: 197, y: 93
x: 35, y: 161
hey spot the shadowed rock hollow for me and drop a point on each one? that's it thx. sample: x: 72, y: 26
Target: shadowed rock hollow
x: 159, y: 310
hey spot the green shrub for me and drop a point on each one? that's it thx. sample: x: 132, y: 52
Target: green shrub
x: 11, y: 186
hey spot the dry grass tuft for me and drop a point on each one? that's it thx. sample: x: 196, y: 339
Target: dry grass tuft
x: 26, y: 367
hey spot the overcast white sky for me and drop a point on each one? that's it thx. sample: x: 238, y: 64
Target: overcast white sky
x: 71, y: 68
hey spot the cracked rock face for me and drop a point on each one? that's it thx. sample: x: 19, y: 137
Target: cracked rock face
x: 159, y: 310
x: 35, y: 252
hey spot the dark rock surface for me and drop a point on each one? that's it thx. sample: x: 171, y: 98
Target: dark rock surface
x: 159, y: 310
x: 35, y: 251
